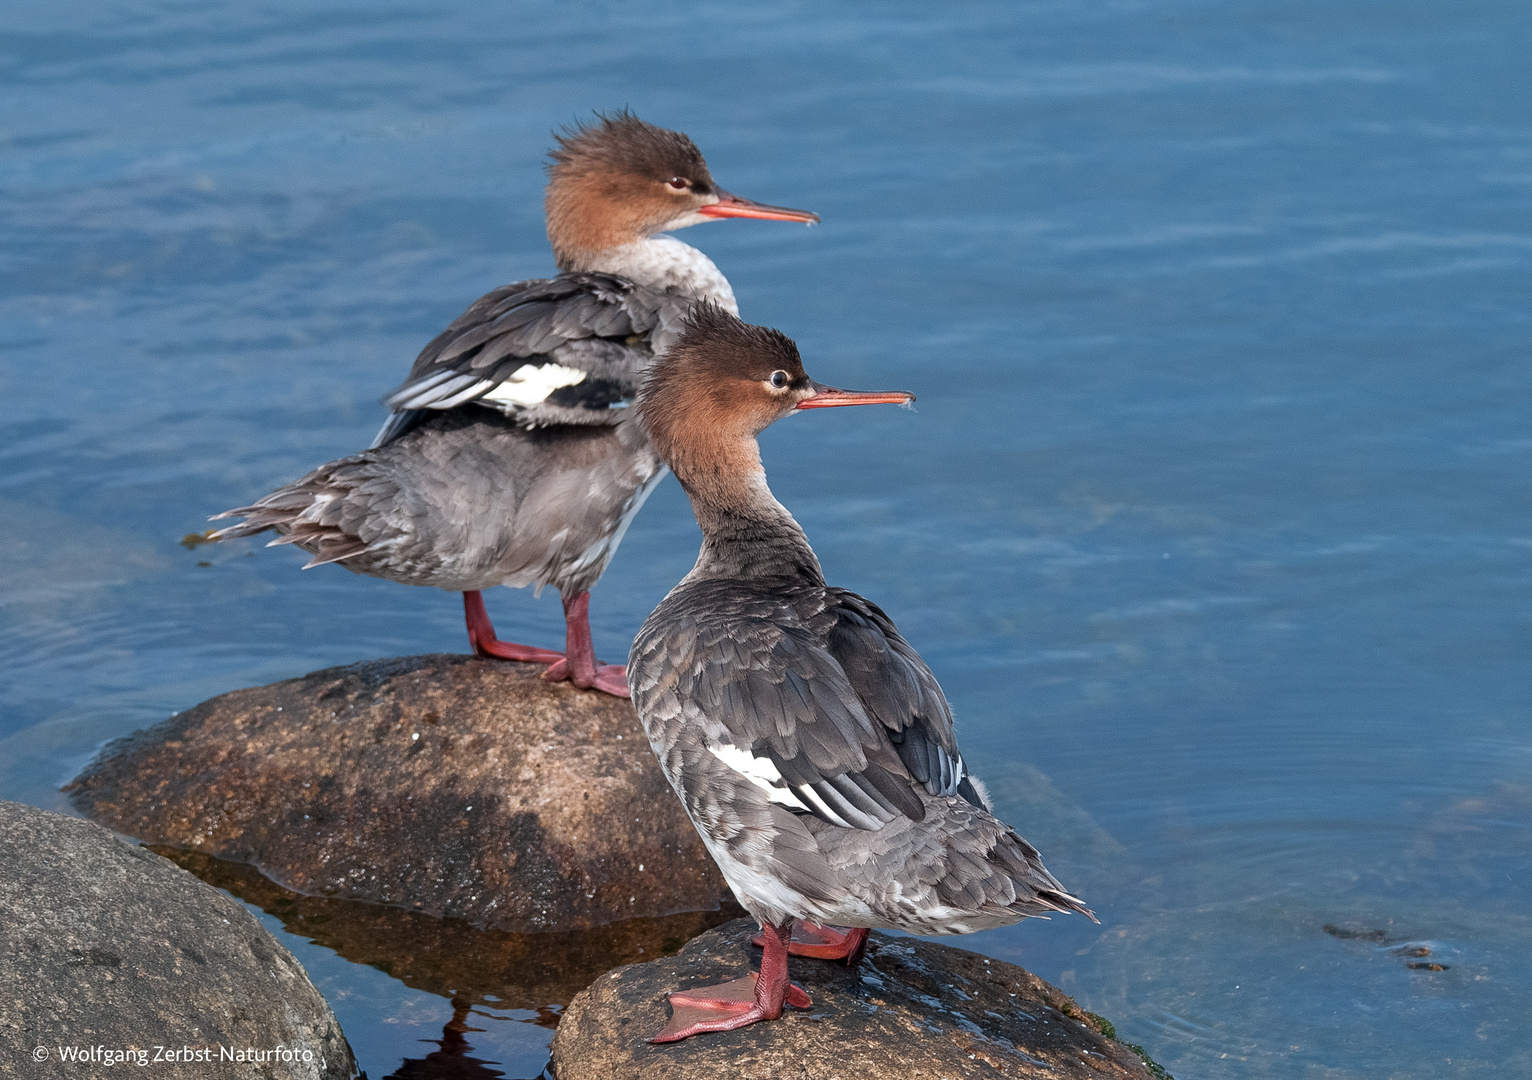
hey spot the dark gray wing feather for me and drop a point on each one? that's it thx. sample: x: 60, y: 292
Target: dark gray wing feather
x: 601, y: 327
x: 899, y: 692
x: 766, y: 684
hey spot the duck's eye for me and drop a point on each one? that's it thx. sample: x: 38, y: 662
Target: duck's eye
x: 780, y: 379
x: 680, y: 183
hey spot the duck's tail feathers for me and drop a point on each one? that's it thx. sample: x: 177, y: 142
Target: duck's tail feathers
x: 293, y: 511
x: 1038, y: 889
x: 1062, y: 901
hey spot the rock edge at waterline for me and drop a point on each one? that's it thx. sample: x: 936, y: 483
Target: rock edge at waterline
x: 112, y: 950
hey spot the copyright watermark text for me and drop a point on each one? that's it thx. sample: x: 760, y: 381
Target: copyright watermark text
x: 143, y: 1057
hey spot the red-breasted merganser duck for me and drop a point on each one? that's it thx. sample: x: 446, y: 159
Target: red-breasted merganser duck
x: 808, y: 741
x: 510, y: 457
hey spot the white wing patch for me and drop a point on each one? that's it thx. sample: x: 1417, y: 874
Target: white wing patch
x: 830, y: 805
x: 759, y: 771
x: 531, y: 384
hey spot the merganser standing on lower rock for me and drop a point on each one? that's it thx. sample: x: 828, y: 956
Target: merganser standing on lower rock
x: 510, y: 458
x: 809, y: 743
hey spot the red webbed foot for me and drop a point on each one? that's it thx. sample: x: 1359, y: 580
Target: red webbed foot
x: 495, y: 649
x: 481, y: 636
x: 724, y: 1007
x: 579, y: 664
x: 824, y: 942
x: 608, y: 678
x: 740, y: 1002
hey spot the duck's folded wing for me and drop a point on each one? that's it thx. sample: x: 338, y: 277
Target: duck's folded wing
x: 898, y: 691
x: 550, y: 351
x: 777, y: 709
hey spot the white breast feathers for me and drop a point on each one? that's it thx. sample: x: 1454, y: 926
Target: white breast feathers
x: 666, y: 264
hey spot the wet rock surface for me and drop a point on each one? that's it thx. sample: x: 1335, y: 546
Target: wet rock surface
x: 111, y: 946
x: 915, y: 1010
x: 448, y: 785
x: 450, y: 957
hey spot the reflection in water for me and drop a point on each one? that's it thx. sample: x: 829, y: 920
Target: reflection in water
x: 454, y: 1059
x: 450, y: 957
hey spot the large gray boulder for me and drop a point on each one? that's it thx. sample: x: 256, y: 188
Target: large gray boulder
x: 447, y: 785
x: 113, y: 951
x: 915, y: 1010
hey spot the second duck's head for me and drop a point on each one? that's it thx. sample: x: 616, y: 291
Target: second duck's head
x: 704, y: 402
x: 618, y: 180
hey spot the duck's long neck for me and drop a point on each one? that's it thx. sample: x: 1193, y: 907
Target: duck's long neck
x: 746, y: 533
x: 658, y: 262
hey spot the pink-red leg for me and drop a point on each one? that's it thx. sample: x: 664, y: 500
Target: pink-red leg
x: 824, y: 942
x: 741, y: 1002
x: 481, y: 635
x: 579, y: 664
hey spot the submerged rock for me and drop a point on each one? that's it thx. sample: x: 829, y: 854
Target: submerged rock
x: 915, y: 1010
x: 112, y: 947
x: 448, y: 785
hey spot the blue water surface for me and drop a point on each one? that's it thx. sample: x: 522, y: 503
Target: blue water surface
x: 1213, y: 518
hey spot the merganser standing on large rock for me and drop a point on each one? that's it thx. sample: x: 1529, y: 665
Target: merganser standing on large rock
x: 809, y: 743
x: 510, y: 458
